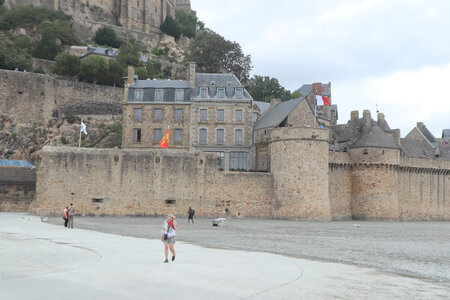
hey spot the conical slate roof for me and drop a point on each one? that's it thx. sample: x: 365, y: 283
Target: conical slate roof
x: 374, y: 136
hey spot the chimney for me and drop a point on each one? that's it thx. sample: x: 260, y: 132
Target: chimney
x: 354, y: 120
x: 396, y: 136
x: 130, y: 81
x: 419, y: 124
x: 317, y: 88
x: 367, y: 119
x: 274, y: 102
x: 191, y: 74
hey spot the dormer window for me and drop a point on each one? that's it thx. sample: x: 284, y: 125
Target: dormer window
x: 220, y: 93
x: 159, y: 94
x: 138, y: 95
x: 239, y: 93
x: 179, y: 95
x: 204, y: 92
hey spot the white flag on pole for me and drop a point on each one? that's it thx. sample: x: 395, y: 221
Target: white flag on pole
x: 83, y: 127
x: 319, y: 100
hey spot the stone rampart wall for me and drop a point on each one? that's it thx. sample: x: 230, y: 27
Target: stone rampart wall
x: 27, y: 97
x: 133, y: 182
x: 17, y: 188
x: 424, y: 189
x: 340, y: 185
x: 420, y: 187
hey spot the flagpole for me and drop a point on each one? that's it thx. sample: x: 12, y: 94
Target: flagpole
x: 79, y: 140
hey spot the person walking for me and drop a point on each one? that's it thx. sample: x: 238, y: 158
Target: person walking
x: 70, y: 213
x: 168, y: 236
x: 65, y: 216
x: 191, y: 214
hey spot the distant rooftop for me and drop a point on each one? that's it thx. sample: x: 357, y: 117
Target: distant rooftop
x: 277, y: 114
x: 15, y: 163
x: 306, y: 89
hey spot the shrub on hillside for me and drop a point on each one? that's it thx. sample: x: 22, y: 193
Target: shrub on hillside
x: 22, y: 42
x: 107, y: 36
x: 170, y: 27
x: 46, y: 48
x: 66, y: 64
x: 24, y: 16
x: 11, y: 59
x: 93, y: 69
x: 129, y: 55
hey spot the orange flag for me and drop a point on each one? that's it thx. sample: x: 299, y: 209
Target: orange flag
x: 164, y: 143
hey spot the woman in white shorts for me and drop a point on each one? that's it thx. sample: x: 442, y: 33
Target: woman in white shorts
x: 168, y: 236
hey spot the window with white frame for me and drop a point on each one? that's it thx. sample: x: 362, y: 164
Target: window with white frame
x: 238, y: 137
x: 220, y: 116
x: 157, y: 135
x: 158, y: 114
x: 239, y: 93
x: 238, y: 117
x: 138, y: 114
x: 220, y: 93
x: 203, y: 136
x: 159, y: 95
x: 178, y: 115
x: 238, y: 160
x: 179, y: 95
x: 204, y: 92
x: 220, y: 136
x: 178, y: 136
x: 203, y: 115
x: 138, y: 95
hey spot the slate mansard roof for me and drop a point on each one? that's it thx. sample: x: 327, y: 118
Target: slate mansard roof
x: 214, y: 81
x: 277, y: 114
x: 169, y: 88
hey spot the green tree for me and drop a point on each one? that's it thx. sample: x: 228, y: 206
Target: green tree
x: 296, y: 95
x: 142, y: 73
x: 46, y: 48
x: 116, y: 72
x: 60, y: 29
x: 153, y: 69
x: 93, y: 69
x: 265, y: 88
x: 66, y: 64
x: 188, y: 23
x: 129, y: 55
x: 214, y: 54
x: 10, y: 59
x: 107, y: 36
x: 170, y: 27
x: 23, y: 42
x: 1, y: 2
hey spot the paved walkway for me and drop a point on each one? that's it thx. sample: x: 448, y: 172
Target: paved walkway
x: 43, y: 261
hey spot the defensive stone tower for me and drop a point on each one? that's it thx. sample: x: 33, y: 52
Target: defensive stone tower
x: 375, y: 159
x: 299, y: 164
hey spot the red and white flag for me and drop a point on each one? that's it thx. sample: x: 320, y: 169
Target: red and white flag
x: 322, y: 100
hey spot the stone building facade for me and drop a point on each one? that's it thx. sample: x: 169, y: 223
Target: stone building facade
x: 207, y: 112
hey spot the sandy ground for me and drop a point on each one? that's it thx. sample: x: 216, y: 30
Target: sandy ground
x: 417, y: 249
x: 44, y: 261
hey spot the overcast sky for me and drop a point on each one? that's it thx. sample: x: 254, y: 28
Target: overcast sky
x: 392, y: 52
